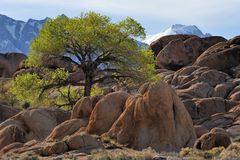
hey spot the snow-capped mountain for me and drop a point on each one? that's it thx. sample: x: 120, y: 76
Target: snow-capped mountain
x: 177, y: 29
x: 16, y: 36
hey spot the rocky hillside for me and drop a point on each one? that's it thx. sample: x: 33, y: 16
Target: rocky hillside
x: 16, y: 36
x: 196, y: 105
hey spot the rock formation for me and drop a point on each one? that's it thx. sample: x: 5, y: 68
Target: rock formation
x: 155, y: 118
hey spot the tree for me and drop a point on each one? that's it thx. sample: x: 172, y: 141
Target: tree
x: 101, y: 48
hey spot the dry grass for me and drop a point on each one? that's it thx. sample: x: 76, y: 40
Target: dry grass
x: 194, y: 154
x: 231, y: 153
x: 123, y: 154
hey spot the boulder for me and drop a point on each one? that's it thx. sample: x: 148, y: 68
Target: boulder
x: 173, y: 56
x: 9, y: 63
x: 191, y: 75
x: 15, y: 59
x: 217, y: 137
x: 223, y: 90
x: 220, y: 57
x: 234, y: 41
x: 213, y: 77
x: 230, y: 121
x: 5, y: 68
x: 200, y: 108
x: 191, y: 108
x: 155, y: 118
x: 235, y: 71
x: 7, y: 112
x: 66, y: 128
x: 83, y: 108
x: 76, y: 76
x: 11, y: 134
x: 40, y: 122
x: 197, y: 90
x: 234, y: 131
x: 209, y: 106
x: 106, y: 112
x: 54, y: 148
x: 197, y: 46
x: 58, y: 62
x: 11, y: 147
x: 235, y: 96
x: 83, y: 141
x: 178, y: 53
x: 159, y: 44
x: 200, y: 130
x: 31, y: 124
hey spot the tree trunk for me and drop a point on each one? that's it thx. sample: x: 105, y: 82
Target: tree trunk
x: 88, y: 86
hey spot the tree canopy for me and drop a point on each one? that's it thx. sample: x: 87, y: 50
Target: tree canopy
x: 99, y: 47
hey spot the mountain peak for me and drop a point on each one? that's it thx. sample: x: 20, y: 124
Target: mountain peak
x: 177, y: 26
x: 16, y: 35
x: 177, y: 29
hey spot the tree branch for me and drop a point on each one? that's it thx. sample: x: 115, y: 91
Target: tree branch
x: 109, y: 76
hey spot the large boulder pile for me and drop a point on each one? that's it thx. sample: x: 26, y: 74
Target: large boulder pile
x: 227, y: 120
x: 207, y: 82
x: 7, y: 112
x: 82, y: 142
x: 154, y: 117
x: 205, y: 91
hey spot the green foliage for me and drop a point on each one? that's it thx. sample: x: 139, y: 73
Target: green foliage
x: 96, y: 91
x: 46, y: 88
x: 5, y: 95
x: 103, y: 49
x: 67, y: 96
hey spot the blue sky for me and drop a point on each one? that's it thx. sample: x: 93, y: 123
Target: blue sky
x: 218, y: 17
